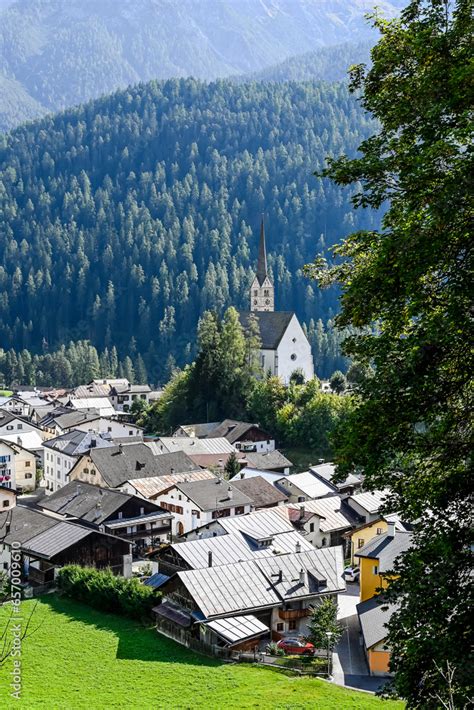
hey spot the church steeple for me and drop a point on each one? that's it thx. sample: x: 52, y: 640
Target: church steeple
x: 262, y: 294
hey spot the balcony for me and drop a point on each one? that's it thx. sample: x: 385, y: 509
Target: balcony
x: 288, y: 614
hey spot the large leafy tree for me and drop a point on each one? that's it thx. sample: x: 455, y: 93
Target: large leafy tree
x: 409, y: 284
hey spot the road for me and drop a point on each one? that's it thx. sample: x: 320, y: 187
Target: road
x: 349, y: 664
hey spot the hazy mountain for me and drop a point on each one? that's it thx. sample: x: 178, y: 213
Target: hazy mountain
x: 325, y: 63
x: 58, y: 53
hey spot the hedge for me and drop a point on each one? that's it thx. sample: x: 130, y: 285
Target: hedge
x: 103, y: 590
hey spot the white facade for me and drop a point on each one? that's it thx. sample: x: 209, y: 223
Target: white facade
x: 20, y: 426
x: 262, y: 295
x: 17, y: 467
x: 57, y: 465
x: 293, y: 353
x: 115, y: 428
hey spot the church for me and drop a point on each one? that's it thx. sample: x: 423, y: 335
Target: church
x: 284, y: 345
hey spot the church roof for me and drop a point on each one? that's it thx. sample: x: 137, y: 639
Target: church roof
x: 272, y: 324
x: 262, y: 257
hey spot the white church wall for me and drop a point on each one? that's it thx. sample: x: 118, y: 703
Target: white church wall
x: 294, y: 352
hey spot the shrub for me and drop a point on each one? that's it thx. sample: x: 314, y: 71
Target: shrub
x: 103, y: 590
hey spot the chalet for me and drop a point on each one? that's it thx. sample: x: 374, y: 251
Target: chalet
x: 199, y: 502
x: 243, y: 435
x: 46, y: 542
x: 263, y: 493
x: 333, y: 518
x: 17, y: 466
x: 113, y: 466
x: 300, y: 487
x: 62, y: 452
x: 201, y: 606
x: 139, y: 521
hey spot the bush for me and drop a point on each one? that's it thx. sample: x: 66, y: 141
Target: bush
x: 106, y: 592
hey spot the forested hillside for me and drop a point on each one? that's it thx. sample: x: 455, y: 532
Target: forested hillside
x: 58, y: 53
x: 123, y: 220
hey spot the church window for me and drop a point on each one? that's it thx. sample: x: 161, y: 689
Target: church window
x: 267, y: 301
x: 255, y: 293
x: 293, y: 356
x: 266, y: 292
x: 294, y: 340
x: 255, y: 302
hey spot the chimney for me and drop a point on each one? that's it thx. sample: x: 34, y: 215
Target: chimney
x: 120, y: 448
x: 241, y: 475
x: 390, y: 529
x: 298, y: 547
x: 302, y: 576
x: 209, y: 558
x: 230, y: 492
x: 302, y: 512
x: 279, y: 577
x: 172, y: 470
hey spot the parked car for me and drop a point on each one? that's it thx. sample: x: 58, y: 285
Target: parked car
x: 351, y: 574
x: 296, y: 646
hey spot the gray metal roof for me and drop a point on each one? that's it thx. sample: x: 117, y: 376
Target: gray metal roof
x: 53, y: 541
x: 260, y: 491
x: 83, y: 500
x: 272, y: 326
x: 232, y: 430
x: 247, y: 586
x: 24, y: 523
x: 266, y: 461
x: 258, y: 524
x: 235, y: 629
x: 309, y: 484
x: 213, y: 494
x: 191, y: 445
x: 373, y: 617
x: 118, y: 464
x: 327, y: 471
x: 334, y: 514
x: 75, y: 442
x: 237, y: 547
x: 386, y: 548
x: 154, y: 485
x: 372, y: 501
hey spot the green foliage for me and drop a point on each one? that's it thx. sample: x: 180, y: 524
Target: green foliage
x: 409, y: 430
x: 323, y: 621
x: 105, y: 591
x: 338, y: 382
x: 232, y: 466
x: 135, y: 214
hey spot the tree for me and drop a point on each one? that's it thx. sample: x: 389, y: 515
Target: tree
x: 297, y: 377
x: 409, y: 430
x: 323, y: 620
x: 357, y: 373
x: 232, y: 466
x: 338, y: 382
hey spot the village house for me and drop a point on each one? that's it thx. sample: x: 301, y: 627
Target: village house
x: 199, y: 502
x: 226, y: 549
x: 101, y: 405
x: 327, y: 471
x: 123, y: 396
x: 12, y: 424
x: 91, y: 420
x: 278, y: 592
x: 152, y: 486
x: 207, y: 453
x: 48, y: 541
x: 374, y: 616
x: 62, y: 453
x: 284, y: 347
x: 300, y: 487
x: 362, y: 534
x: 17, y: 467
x: 258, y: 524
x: 266, y: 461
x: 263, y: 493
x: 139, y: 521
x: 367, y: 505
x: 7, y: 497
x: 243, y: 435
x: 113, y: 466
x: 332, y: 519
x: 377, y: 557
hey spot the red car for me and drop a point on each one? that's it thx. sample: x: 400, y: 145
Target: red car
x: 296, y: 646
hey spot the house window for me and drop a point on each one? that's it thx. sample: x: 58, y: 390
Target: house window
x: 9, y: 427
x: 6, y: 503
x: 27, y: 464
x: 301, y: 499
x: 324, y: 542
x: 375, y: 569
x: 379, y: 531
x: 292, y: 625
x: 130, y: 433
x: 120, y: 514
x: 293, y: 356
x: 86, y: 470
x: 20, y: 426
x: 194, y: 512
x: 239, y: 510
x: 360, y: 543
x: 311, y: 527
x: 28, y: 475
x: 109, y: 428
x: 92, y: 471
x: 280, y: 627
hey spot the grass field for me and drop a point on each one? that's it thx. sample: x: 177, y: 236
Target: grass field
x: 81, y: 658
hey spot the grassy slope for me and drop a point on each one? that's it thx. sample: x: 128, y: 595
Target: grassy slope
x: 80, y: 658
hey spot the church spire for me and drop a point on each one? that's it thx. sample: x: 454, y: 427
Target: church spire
x: 262, y: 256
x: 262, y: 294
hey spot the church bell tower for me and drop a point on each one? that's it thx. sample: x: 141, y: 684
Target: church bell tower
x: 262, y: 293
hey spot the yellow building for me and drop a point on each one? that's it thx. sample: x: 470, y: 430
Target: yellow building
x: 365, y: 533
x: 377, y: 559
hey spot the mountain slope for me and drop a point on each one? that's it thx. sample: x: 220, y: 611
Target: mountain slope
x: 64, y: 52
x: 130, y: 216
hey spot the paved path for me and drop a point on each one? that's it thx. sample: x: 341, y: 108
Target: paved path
x: 349, y: 664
